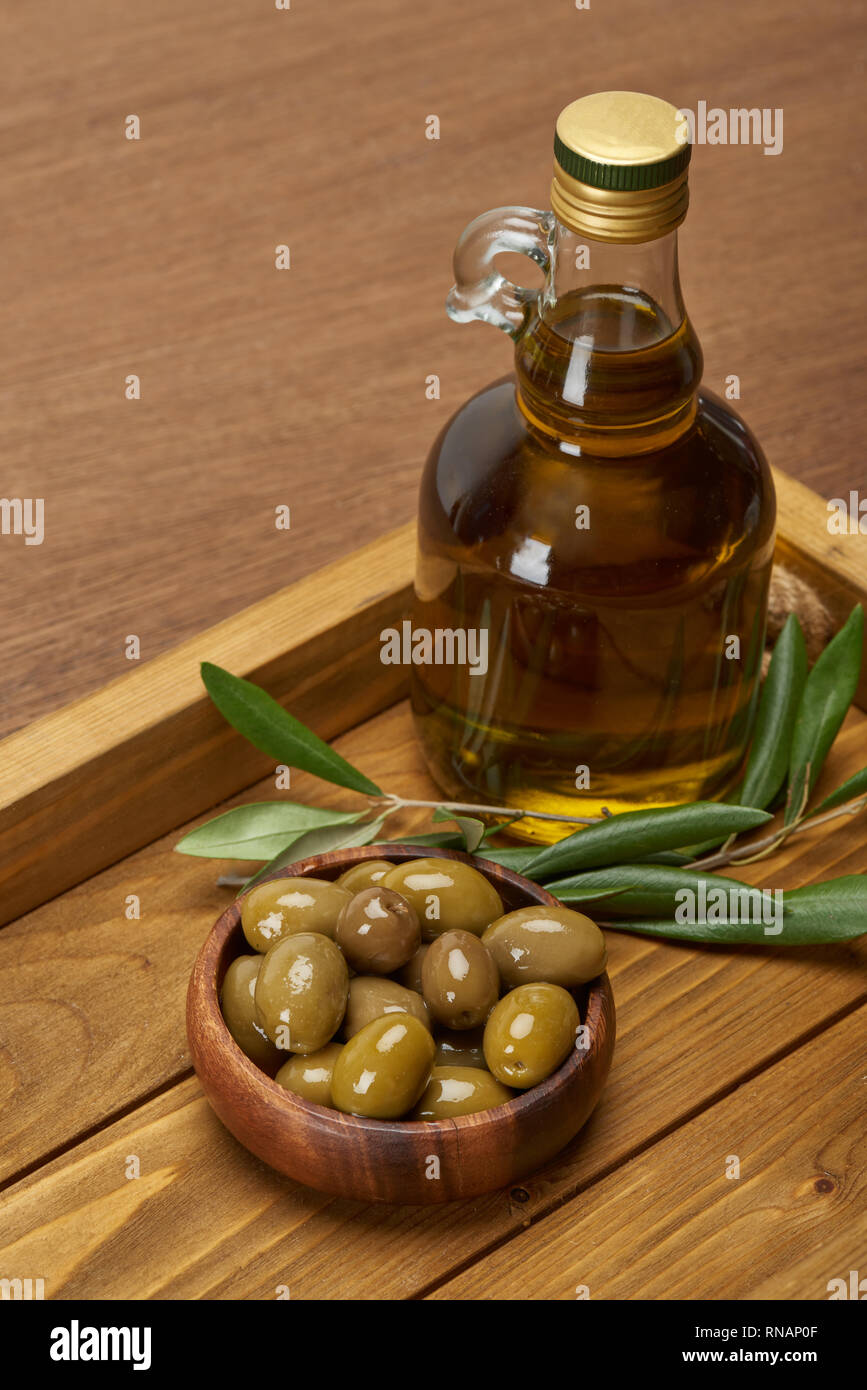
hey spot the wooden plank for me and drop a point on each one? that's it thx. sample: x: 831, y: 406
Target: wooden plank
x: 104, y: 1234
x: 674, y: 1223
x: 121, y: 985
x: 119, y: 768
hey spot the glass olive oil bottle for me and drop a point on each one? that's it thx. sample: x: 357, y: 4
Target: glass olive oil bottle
x: 600, y: 524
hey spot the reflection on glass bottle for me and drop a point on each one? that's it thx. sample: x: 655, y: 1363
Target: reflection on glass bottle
x: 606, y: 520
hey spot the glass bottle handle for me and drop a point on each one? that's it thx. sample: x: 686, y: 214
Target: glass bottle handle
x: 480, y: 292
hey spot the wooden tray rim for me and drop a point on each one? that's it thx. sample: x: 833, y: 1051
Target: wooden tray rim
x: 97, y: 780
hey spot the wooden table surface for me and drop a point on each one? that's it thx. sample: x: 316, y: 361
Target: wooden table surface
x: 118, y: 1181
x: 306, y: 387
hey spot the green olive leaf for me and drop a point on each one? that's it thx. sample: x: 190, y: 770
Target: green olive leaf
x: 835, y: 910
x: 473, y: 830
x: 775, y: 722
x: 273, y: 730
x: 853, y: 787
x: 319, y: 841
x: 817, y: 915
x: 656, y: 890
x: 666, y: 857
x: 515, y: 859
x: 498, y: 827
x: 259, y: 830
x: 630, y: 834
x: 519, y: 859
x: 828, y: 693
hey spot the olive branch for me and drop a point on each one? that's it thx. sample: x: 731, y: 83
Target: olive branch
x: 630, y: 867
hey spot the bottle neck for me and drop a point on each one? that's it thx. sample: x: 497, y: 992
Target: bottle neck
x: 609, y: 363
x: 647, y: 270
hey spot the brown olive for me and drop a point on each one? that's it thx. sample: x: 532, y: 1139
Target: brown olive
x: 460, y: 1091
x: 301, y: 992
x: 409, y: 975
x: 239, y: 1011
x: 310, y: 1076
x: 529, y: 1033
x: 272, y: 911
x: 378, y: 931
x: 447, y: 894
x: 371, y: 996
x: 551, y: 944
x: 383, y: 1070
x: 463, y: 1049
x: 364, y: 875
x: 459, y: 979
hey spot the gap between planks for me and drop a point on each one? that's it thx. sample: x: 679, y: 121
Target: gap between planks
x: 77, y: 1140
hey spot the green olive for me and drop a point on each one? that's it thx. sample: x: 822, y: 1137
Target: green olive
x: 383, y: 1070
x: 370, y: 997
x: 272, y: 911
x: 460, y: 1091
x: 310, y: 1076
x: 551, y: 944
x: 459, y: 980
x: 409, y: 975
x: 462, y: 1049
x: 447, y: 895
x: 529, y: 1033
x: 301, y: 992
x: 378, y: 931
x: 364, y: 875
x: 239, y: 1011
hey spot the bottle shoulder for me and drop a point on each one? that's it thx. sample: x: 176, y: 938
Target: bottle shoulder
x: 491, y: 483
x: 729, y: 436
x: 488, y: 436
x: 477, y: 456
x: 481, y: 437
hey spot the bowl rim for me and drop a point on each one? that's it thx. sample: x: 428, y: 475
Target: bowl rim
x: 203, y: 994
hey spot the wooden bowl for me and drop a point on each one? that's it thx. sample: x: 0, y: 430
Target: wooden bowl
x: 391, y: 1160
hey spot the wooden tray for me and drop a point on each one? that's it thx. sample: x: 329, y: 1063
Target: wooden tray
x: 119, y: 1180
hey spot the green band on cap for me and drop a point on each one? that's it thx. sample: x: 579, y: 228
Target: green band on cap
x: 621, y: 177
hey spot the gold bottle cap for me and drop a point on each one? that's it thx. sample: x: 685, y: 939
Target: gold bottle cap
x: 620, y: 167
